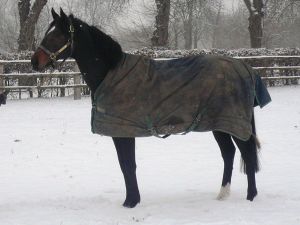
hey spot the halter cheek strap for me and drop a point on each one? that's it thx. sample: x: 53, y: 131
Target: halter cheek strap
x: 53, y: 55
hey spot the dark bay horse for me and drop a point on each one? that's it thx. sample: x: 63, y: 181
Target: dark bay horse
x: 96, y: 54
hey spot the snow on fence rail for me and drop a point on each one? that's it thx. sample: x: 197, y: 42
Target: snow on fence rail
x: 76, y: 85
x: 269, y: 73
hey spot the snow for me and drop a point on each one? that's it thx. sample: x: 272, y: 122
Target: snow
x: 53, y: 171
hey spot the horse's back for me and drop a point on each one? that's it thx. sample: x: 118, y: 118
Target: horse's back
x: 214, y: 65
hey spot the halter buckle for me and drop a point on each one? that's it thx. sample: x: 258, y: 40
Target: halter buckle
x: 52, y: 56
x: 71, y: 29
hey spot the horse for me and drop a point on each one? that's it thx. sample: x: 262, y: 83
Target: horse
x: 3, y: 97
x: 97, y: 54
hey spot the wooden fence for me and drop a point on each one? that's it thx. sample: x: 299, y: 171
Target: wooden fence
x: 270, y: 74
x: 75, y: 75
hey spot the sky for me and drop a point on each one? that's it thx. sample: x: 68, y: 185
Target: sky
x: 229, y: 4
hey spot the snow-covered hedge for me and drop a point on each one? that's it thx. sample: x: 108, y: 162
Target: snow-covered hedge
x: 165, y: 53
x: 255, y: 62
x: 25, y: 67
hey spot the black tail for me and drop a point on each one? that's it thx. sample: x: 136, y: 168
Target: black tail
x: 255, y: 146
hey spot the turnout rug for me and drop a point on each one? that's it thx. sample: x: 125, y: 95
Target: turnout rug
x: 143, y: 97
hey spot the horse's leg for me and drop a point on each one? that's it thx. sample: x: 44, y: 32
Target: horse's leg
x: 249, y: 155
x: 126, y: 154
x: 227, y: 150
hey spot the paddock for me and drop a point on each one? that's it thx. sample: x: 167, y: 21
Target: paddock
x: 53, y: 170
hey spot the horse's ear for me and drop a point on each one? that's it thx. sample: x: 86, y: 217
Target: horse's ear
x: 62, y: 14
x: 54, y: 15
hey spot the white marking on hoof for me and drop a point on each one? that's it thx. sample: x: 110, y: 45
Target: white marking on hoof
x: 224, y: 192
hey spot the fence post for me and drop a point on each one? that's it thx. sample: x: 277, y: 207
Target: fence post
x: 77, y: 90
x: 1, y: 78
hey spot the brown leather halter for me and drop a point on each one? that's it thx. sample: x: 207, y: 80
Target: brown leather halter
x: 53, y: 55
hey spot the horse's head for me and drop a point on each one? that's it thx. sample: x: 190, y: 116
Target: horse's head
x: 57, y: 43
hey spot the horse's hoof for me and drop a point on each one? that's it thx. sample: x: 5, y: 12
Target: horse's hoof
x: 131, y: 202
x: 224, y: 192
x: 251, y: 195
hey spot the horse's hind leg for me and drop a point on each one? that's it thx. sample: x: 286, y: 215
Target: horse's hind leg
x: 126, y: 154
x: 227, y: 150
x: 249, y: 155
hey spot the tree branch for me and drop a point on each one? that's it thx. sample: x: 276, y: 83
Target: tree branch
x: 36, y: 10
x: 24, y: 8
x: 249, y: 6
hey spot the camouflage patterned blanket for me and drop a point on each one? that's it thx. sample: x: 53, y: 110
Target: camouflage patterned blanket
x: 144, y: 97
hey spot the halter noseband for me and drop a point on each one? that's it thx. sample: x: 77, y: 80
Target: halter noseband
x: 53, y: 55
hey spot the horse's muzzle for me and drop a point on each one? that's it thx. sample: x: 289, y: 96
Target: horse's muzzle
x: 35, y: 63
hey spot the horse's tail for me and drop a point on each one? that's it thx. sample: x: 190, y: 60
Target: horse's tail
x: 255, y: 147
x: 257, y: 142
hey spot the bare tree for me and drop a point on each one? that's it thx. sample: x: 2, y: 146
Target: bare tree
x: 161, y: 33
x: 28, y: 20
x: 193, y: 20
x: 188, y: 24
x: 98, y: 13
x: 256, y: 15
x: 216, y: 28
x: 281, y: 23
x: 9, y: 26
x: 231, y: 29
x: 183, y: 10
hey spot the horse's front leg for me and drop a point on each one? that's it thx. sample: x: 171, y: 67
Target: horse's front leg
x: 126, y: 154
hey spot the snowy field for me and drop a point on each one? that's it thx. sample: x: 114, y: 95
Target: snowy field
x: 54, y: 171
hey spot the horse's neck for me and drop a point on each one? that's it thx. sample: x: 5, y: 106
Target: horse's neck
x: 94, y: 58
x: 93, y: 71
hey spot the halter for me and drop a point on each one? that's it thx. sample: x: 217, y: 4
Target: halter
x: 70, y: 43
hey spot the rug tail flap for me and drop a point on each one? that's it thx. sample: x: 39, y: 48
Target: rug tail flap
x: 262, y: 96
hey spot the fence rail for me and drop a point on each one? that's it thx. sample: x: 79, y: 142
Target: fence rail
x: 271, y: 74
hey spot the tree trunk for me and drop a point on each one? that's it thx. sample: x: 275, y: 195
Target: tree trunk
x: 196, y: 39
x: 28, y: 20
x: 161, y: 35
x: 256, y: 31
x: 216, y: 27
x: 188, y: 26
x: 255, y: 8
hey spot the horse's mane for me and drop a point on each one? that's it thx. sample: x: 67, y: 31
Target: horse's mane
x: 105, y: 46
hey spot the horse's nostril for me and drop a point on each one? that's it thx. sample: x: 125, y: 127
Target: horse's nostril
x: 34, y: 63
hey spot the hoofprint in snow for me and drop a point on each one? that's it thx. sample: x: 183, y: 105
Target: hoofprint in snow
x: 53, y: 171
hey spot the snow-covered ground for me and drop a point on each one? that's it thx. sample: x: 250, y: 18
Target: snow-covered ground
x: 53, y: 171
